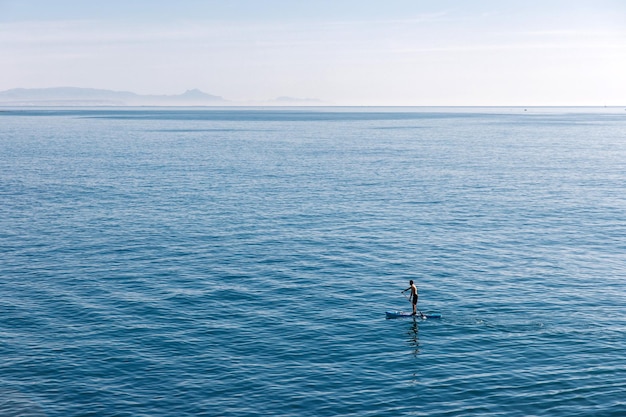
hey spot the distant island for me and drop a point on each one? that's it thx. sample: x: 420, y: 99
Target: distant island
x: 291, y: 101
x: 74, y: 96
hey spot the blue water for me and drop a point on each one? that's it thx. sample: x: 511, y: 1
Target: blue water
x: 239, y: 262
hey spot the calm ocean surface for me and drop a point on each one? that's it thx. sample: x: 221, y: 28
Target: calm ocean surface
x: 239, y: 262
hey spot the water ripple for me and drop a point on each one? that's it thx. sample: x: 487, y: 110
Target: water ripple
x: 199, y: 262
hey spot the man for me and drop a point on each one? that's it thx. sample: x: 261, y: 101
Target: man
x: 414, y: 296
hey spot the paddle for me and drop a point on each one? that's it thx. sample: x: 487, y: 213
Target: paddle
x: 421, y: 314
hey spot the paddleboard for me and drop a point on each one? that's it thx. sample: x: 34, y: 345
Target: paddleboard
x: 401, y: 314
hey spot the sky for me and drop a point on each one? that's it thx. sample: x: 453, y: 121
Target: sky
x: 343, y: 52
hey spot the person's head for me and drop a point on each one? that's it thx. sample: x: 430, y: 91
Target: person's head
x: 411, y: 282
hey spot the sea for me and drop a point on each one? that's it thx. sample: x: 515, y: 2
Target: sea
x: 240, y: 261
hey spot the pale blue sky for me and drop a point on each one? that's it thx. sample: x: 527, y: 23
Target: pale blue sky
x: 345, y: 52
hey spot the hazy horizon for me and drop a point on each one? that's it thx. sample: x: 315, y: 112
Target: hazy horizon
x: 396, y: 53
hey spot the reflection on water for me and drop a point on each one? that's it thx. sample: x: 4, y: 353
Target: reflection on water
x: 413, y: 336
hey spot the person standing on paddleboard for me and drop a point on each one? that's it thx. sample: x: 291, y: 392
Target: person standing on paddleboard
x: 414, y: 296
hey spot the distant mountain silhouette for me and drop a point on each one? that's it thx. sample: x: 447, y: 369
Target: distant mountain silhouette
x: 291, y: 101
x: 73, y: 96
